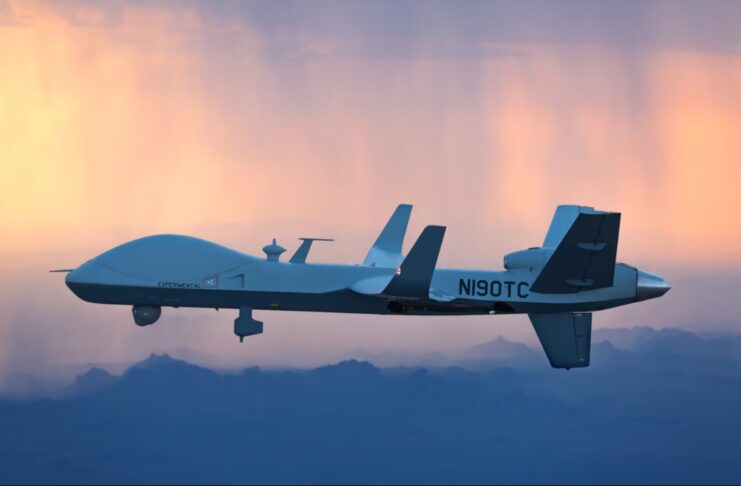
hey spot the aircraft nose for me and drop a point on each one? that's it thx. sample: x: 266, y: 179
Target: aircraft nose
x: 650, y: 286
x: 82, y: 276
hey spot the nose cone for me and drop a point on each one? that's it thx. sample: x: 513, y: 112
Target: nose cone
x: 79, y: 279
x: 650, y: 286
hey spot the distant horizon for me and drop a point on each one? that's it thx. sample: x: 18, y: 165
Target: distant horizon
x: 499, y: 352
x: 662, y: 410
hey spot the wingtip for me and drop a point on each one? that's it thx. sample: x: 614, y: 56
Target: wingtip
x: 435, y: 227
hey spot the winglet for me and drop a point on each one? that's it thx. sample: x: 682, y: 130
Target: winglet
x: 386, y: 251
x: 414, y: 275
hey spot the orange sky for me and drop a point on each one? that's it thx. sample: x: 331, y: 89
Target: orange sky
x: 166, y: 120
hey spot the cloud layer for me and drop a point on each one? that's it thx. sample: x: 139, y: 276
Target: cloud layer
x: 656, y: 407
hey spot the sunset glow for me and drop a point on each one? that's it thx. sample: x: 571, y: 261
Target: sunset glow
x: 161, y: 119
x: 240, y: 122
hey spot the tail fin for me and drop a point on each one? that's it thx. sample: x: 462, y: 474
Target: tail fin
x: 386, y: 251
x: 566, y: 338
x: 584, y: 247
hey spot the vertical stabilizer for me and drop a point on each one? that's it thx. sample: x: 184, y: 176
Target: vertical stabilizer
x: 386, y: 251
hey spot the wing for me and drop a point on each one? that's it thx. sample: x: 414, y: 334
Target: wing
x: 414, y: 275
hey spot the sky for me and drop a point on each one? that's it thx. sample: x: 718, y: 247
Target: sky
x: 242, y: 121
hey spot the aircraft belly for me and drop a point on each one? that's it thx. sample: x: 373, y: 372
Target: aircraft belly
x: 548, y: 307
x: 339, y: 301
x: 344, y: 301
